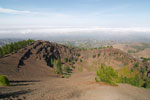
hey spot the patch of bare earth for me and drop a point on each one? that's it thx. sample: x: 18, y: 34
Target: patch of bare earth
x: 32, y: 76
x: 80, y: 86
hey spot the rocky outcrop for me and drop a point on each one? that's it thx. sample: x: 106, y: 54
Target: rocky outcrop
x: 44, y: 50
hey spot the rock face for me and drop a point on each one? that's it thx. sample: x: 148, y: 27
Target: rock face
x: 24, y: 57
x: 43, y: 50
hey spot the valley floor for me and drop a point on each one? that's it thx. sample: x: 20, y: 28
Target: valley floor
x: 80, y: 86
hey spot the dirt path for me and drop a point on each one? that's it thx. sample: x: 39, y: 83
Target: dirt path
x: 80, y: 86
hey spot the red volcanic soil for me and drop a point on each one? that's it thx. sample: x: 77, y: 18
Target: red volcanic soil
x: 32, y: 76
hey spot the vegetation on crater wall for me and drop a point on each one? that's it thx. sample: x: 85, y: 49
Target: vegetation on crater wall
x: 134, y: 77
x: 13, y: 47
x: 60, y: 68
x: 107, y: 74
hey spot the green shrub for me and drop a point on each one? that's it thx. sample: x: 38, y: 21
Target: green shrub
x: 52, y: 61
x: 136, y: 80
x: 145, y: 59
x: 66, y: 72
x: 98, y: 54
x: 136, y: 64
x: 72, y: 63
x: 66, y: 59
x: 65, y: 76
x: 80, y: 69
x: 78, y: 55
x: 84, y: 49
x: 66, y: 69
x: 125, y: 75
x: 143, y: 70
x: 107, y: 74
x: 147, y: 83
x: 94, y: 56
x: 103, y: 47
x: 4, y: 81
x: 133, y: 76
x: 58, y: 66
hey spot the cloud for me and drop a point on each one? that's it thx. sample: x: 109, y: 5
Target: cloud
x: 12, y: 11
x: 35, y: 15
x: 72, y: 30
x: 54, y: 33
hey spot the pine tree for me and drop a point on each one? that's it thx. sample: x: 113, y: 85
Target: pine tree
x: 9, y: 48
x: 1, y: 52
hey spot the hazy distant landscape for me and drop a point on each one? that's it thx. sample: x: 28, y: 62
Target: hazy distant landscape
x: 75, y: 34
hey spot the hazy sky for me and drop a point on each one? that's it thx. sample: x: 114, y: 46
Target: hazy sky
x: 103, y: 19
x: 75, y: 13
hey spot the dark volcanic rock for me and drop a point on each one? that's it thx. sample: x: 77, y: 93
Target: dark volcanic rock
x: 47, y: 50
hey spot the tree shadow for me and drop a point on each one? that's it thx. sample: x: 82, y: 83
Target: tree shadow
x: 18, y: 84
x: 14, y: 94
x: 22, y: 82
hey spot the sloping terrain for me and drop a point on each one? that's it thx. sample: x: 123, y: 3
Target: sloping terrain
x: 80, y: 86
x: 136, y: 49
x: 34, y: 61
x: 32, y: 75
x: 92, y: 59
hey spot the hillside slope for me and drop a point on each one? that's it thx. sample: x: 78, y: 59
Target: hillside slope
x: 32, y: 75
x: 34, y: 61
x: 92, y: 59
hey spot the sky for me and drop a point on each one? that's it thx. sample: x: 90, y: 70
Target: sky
x: 75, y: 14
